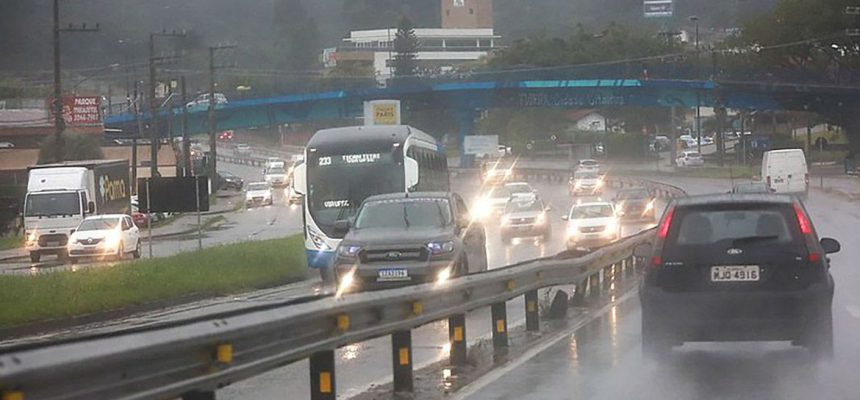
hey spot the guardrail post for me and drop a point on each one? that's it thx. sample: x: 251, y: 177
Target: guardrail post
x: 594, y: 285
x: 500, y: 329
x: 532, y: 314
x: 457, y: 338
x: 401, y: 358
x: 579, y: 294
x: 199, y: 395
x: 322, y: 376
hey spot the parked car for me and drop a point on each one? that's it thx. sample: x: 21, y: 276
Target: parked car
x: 591, y: 225
x: 400, y: 239
x: 258, y: 194
x: 745, y: 267
x: 103, y: 236
x: 6, y: 145
x: 785, y: 171
x: 525, y: 218
x: 690, y: 159
x: 635, y: 203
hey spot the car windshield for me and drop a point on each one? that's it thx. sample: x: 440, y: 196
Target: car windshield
x: 276, y: 171
x: 404, y: 214
x: 258, y: 186
x: 586, y: 211
x: 52, y: 204
x: 98, y: 224
x: 633, y: 194
x: 521, y: 206
x: 587, y: 174
x: 518, y: 188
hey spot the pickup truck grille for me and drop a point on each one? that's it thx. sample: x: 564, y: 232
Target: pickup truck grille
x: 394, y: 254
x: 59, y: 238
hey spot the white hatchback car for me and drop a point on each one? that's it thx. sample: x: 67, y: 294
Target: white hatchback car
x: 592, y: 225
x: 257, y: 194
x: 690, y: 159
x: 104, y: 236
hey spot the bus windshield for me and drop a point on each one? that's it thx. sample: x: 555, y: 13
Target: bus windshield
x: 338, y: 184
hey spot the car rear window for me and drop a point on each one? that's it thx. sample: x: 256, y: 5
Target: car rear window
x: 727, y: 226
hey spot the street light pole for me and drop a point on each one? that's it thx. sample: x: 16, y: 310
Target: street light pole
x: 213, y: 139
x: 698, y: 95
x: 153, y: 104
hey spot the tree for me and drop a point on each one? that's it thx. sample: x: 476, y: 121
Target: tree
x: 299, y: 35
x: 405, y: 47
x: 75, y: 147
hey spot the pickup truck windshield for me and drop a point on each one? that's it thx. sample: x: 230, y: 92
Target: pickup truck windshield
x: 52, y: 204
x: 403, y: 214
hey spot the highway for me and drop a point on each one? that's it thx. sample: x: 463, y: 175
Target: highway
x: 363, y: 365
x: 603, y: 360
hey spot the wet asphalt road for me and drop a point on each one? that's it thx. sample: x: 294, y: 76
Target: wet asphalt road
x: 369, y: 363
x: 603, y: 360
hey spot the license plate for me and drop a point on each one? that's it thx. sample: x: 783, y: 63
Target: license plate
x: 395, y: 274
x: 735, y: 273
x: 52, y: 244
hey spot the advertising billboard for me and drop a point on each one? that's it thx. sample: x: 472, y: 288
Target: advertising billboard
x: 657, y: 8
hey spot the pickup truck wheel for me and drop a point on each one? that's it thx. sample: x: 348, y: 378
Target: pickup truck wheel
x: 35, y: 257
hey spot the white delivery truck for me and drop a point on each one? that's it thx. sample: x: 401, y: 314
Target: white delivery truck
x: 60, y: 196
x: 785, y: 171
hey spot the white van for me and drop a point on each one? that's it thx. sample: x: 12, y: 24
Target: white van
x: 785, y: 171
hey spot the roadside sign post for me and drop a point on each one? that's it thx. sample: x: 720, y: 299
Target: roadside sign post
x: 197, y: 196
x: 149, y: 217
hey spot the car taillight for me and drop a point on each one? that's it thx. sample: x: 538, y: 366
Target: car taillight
x: 802, y: 220
x: 663, y: 232
x: 656, y: 261
x: 814, y: 257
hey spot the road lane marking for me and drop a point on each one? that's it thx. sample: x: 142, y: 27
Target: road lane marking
x: 497, y: 373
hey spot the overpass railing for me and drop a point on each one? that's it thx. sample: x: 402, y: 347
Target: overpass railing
x: 192, y: 360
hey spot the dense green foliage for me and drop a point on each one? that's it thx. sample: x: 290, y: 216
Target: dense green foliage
x: 405, y: 49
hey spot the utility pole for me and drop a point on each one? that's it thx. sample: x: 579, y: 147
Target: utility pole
x: 698, y: 95
x: 186, y: 144
x: 154, y: 136
x: 57, y: 103
x: 213, y: 139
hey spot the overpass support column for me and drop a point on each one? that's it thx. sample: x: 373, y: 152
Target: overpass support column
x: 466, y: 119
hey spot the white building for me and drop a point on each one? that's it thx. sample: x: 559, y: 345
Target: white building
x: 440, y: 49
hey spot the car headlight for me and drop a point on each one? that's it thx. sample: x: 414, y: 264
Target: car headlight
x: 541, y: 219
x: 481, y: 209
x: 572, y: 229
x: 441, y: 247
x: 611, y: 228
x: 112, y: 240
x: 649, y: 206
x: 599, y: 183
x: 348, y: 250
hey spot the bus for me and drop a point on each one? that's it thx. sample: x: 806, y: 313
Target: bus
x: 344, y: 166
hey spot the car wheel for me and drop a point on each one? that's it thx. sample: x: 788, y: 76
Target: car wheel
x: 136, y: 253
x: 656, y: 343
x: 819, y: 335
x: 35, y: 257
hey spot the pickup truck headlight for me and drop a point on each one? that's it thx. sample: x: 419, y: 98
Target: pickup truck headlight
x: 441, y: 247
x: 348, y: 250
x: 32, y: 236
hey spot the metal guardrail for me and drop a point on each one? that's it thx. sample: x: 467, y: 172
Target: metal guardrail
x: 191, y: 360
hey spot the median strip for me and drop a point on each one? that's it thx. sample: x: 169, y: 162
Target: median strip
x: 210, y: 272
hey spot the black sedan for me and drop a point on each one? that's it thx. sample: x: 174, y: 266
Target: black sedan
x: 227, y: 180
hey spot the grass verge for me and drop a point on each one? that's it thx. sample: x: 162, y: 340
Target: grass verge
x: 11, y: 242
x: 209, y: 272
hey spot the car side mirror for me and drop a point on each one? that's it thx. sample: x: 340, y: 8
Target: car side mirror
x: 91, y: 207
x: 548, y: 209
x: 564, y: 217
x: 341, y: 227
x: 830, y: 245
x: 642, y: 250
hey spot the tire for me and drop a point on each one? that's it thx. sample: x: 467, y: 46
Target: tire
x: 656, y: 344
x: 35, y: 257
x: 819, y: 335
x: 136, y: 253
